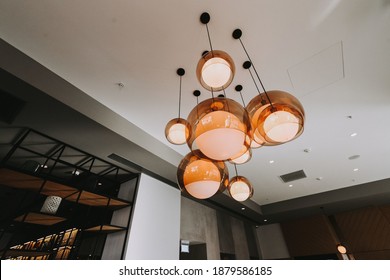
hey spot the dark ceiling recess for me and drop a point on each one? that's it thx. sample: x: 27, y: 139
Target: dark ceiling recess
x: 296, y: 175
x: 10, y: 107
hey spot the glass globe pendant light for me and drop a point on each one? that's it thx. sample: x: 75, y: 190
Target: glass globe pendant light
x: 202, y: 177
x: 282, y: 121
x: 216, y: 69
x: 177, y: 130
x: 278, y: 123
x: 219, y: 128
x: 240, y: 189
x: 273, y: 124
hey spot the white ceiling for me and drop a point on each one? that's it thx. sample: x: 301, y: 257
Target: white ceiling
x: 333, y: 55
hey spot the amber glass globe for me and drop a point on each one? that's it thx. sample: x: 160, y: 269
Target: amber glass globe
x: 279, y: 123
x: 240, y: 188
x: 215, y: 70
x: 202, y: 177
x: 219, y: 128
x: 177, y: 131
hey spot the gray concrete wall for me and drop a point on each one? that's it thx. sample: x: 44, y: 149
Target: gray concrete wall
x: 239, y: 239
x: 225, y: 236
x: 198, y: 223
x: 271, y: 242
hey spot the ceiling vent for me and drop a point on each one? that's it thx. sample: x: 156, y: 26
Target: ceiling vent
x: 296, y: 175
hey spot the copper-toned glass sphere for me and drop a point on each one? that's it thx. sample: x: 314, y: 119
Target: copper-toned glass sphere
x: 240, y: 188
x: 202, y: 177
x: 283, y: 121
x: 219, y: 128
x: 279, y: 123
x: 177, y: 131
x: 215, y: 70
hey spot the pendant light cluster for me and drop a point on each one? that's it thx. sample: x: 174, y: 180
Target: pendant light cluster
x: 220, y: 130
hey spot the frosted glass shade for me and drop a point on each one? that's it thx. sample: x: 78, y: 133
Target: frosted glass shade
x: 240, y: 188
x: 51, y: 205
x: 280, y: 124
x: 219, y: 128
x: 215, y: 70
x: 177, y: 131
x: 200, y: 176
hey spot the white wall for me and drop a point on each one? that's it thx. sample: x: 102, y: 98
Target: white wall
x: 155, y: 227
x: 272, y: 243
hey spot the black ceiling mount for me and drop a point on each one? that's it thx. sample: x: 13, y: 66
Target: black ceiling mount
x: 205, y: 18
x: 238, y: 88
x: 204, y: 53
x: 221, y: 95
x: 237, y: 33
x: 180, y: 72
x: 247, y: 64
x: 196, y: 93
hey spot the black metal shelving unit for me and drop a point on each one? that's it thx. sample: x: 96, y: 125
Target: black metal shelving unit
x: 37, y: 166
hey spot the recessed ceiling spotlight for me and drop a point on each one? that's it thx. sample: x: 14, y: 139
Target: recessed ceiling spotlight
x: 76, y: 172
x: 43, y: 166
x: 271, y: 161
x: 243, y: 208
x: 265, y: 220
x: 290, y: 185
x: 99, y: 184
x: 120, y: 85
x: 353, y: 134
x: 356, y: 169
x: 319, y: 178
x: 307, y: 150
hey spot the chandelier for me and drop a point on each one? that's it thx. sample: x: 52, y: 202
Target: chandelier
x: 220, y: 130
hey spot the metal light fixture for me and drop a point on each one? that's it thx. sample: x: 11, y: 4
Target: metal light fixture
x: 276, y: 120
x: 216, y: 69
x: 217, y: 118
x: 177, y: 130
x: 220, y: 129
